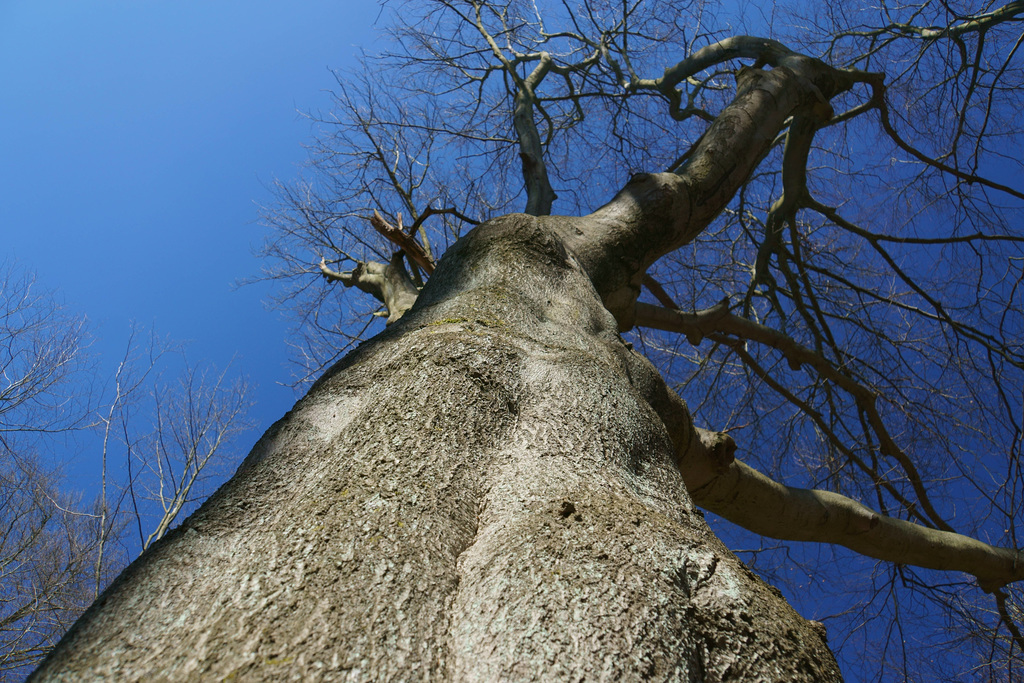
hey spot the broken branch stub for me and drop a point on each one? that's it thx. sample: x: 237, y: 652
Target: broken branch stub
x: 404, y: 241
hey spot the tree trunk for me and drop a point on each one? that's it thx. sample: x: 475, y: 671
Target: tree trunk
x: 484, y: 491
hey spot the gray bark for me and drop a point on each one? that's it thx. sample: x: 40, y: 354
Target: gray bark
x: 482, y: 492
x: 488, y: 490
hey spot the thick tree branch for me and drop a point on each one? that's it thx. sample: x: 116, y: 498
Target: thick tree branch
x: 390, y: 284
x: 719, y: 320
x: 539, y: 194
x: 757, y: 503
x: 763, y: 51
x: 727, y: 487
x: 657, y: 213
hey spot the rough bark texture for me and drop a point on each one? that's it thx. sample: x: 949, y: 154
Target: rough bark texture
x: 485, y: 491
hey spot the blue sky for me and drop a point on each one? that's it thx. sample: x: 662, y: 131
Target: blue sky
x: 137, y: 139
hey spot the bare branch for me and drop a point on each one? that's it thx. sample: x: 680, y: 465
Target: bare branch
x: 742, y: 495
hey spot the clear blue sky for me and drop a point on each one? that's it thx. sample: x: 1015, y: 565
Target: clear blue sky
x: 137, y: 138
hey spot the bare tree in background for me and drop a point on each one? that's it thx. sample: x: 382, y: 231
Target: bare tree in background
x: 40, y: 354
x: 164, y: 438
x: 56, y: 553
x: 47, y: 550
x: 195, y: 419
x: 810, y: 239
x: 47, y: 542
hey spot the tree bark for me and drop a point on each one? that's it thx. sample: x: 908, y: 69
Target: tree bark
x: 488, y: 490
x: 482, y: 492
